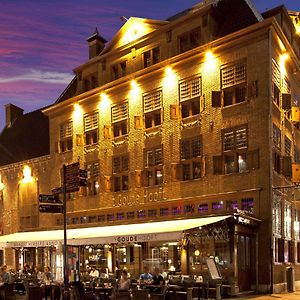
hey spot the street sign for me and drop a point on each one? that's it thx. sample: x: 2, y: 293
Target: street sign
x: 72, y: 188
x: 71, y: 175
x: 83, y: 173
x: 57, y: 190
x: 51, y: 208
x: 49, y: 199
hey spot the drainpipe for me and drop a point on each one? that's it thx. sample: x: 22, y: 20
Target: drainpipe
x: 270, y: 164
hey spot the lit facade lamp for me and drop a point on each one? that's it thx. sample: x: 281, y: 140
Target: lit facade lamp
x: 1, y: 184
x: 27, y: 177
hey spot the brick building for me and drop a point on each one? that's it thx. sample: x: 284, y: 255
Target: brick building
x: 189, y: 131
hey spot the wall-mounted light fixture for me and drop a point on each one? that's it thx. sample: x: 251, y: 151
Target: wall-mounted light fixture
x: 1, y: 184
x: 27, y: 177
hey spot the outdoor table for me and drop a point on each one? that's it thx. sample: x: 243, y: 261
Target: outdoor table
x: 103, y: 292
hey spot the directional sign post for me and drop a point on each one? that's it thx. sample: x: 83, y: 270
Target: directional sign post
x: 71, y: 176
x: 58, y: 190
x: 50, y: 208
x: 49, y: 199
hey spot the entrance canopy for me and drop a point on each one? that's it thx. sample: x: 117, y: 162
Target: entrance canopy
x: 130, y: 233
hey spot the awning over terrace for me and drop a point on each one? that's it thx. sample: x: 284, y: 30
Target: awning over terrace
x: 129, y: 233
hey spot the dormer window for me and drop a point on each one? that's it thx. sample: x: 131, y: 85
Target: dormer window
x: 118, y: 70
x: 189, y: 40
x: 151, y: 57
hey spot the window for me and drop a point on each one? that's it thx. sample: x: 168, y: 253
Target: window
x: 120, y: 173
x: 152, y: 108
x: 248, y: 205
x: 93, y: 174
x: 130, y: 215
x: 120, y: 216
x: 277, y: 215
x: 297, y: 225
x: 191, y: 158
x: 189, y: 208
x: 119, y: 116
x: 296, y: 155
x: 217, y: 205
x: 91, y: 128
x: 66, y: 136
x: 189, y: 93
x: 141, y: 213
x: 202, y: 208
x: 176, y: 210
x: 276, y: 138
x: 231, y: 204
x: 151, y: 57
x: 234, y: 85
x: 152, y: 212
x: 164, y: 211
x: 118, y: 70
x: 287, y: 146
x: 235, y: 143
x: 153, y: 166
x: 287, y: 220
x: 189, y: 40
x: 275, y: 82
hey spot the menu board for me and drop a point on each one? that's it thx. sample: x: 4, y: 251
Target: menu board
x: 213, y: 269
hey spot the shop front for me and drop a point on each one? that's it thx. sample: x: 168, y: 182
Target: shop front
x: 175, y: 247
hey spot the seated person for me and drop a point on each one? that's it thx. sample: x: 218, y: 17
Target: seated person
x: 157, y: 279
x: 124, y: 282
x: 4, y: 275
x: 47, y: 276
x: 146, y: 276
x: 94, y: 272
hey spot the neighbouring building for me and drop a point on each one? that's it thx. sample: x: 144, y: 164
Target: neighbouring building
x: 188, y: 129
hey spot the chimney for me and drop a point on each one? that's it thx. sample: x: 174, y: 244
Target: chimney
x: 12, y: 112
x: 96, y: 44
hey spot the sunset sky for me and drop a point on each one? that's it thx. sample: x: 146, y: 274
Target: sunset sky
x: 41, y: 42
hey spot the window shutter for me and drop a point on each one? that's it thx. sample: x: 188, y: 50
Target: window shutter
x: 138, y: 122
x: 203, y: 166
x: 287, y: 166
x: 144, y: 178
x: 79, y: 140
x: 296, y: 173
x: 216, y: 98
x: 107, y: 183
x: 174, y: 171
x: 286, y: 101
x: 138, y: 178
x: 253, y: 159
x: 252, y: 89
x: 174, y: 111
x: 202, y: 103
x: 179, y: 172
x: 56, y: 146
x: 295, y: 114
x: 107, y: 131
x: 218, y: 165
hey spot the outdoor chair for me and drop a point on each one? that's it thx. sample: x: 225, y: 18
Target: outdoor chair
x: 161, y: 295
x: 123, y: 295
x: 140, y: 294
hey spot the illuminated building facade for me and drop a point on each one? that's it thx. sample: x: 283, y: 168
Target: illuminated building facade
x: 195, y: 118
